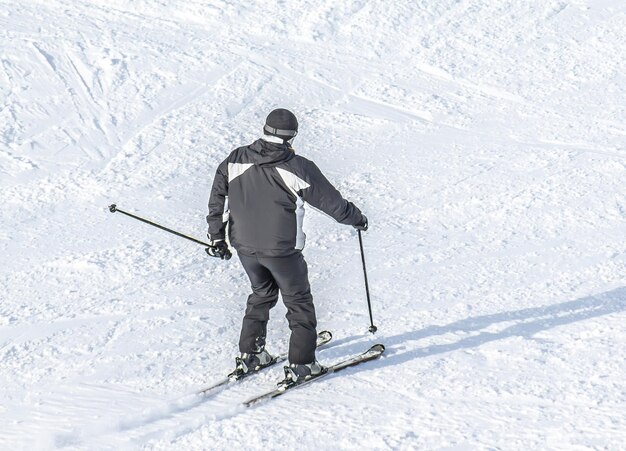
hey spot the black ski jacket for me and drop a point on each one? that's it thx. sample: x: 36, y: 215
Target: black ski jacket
x: 260, y: 190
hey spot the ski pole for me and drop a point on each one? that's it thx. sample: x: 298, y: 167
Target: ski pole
x: 113, y: 209
x: 372, y: 328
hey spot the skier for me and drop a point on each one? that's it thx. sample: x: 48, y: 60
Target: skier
x: 259, y: 192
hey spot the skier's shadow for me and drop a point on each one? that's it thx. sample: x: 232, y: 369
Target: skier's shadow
x: 527, y: 322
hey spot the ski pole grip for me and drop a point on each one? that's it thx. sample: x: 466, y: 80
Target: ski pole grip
x: 112, y: 208
x: 227, y: 255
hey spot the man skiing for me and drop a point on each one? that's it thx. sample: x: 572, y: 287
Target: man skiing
x: 259, y: 192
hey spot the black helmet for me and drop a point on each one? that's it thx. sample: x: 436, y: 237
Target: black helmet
x: 281, y: 123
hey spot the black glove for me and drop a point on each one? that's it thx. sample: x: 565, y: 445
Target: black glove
x: 219, y: 249
x: 362, y: 225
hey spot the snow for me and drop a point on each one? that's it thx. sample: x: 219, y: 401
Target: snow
x: 486, y: 142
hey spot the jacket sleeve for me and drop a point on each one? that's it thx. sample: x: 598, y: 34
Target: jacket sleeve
x: 322, y: 195
x: 216, y: 218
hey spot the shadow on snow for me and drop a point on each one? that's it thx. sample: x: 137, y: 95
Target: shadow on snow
x: 527, y: 322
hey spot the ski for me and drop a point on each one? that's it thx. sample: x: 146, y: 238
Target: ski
x: 371, y: 354
x: 322, y: 338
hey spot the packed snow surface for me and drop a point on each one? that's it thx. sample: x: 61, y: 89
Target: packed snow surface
x: 485, y: 140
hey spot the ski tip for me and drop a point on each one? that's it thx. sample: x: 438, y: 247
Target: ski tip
x: 379, y: 348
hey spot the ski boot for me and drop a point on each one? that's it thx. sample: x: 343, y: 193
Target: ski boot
x: 297, y: 373
x: 251, y: 362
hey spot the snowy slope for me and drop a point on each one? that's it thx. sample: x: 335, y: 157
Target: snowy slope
x: 485, y: 140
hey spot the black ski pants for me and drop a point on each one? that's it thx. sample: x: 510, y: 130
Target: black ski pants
x: 268, y: 276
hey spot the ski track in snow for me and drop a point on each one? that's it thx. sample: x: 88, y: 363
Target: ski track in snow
x: 486, y: 142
